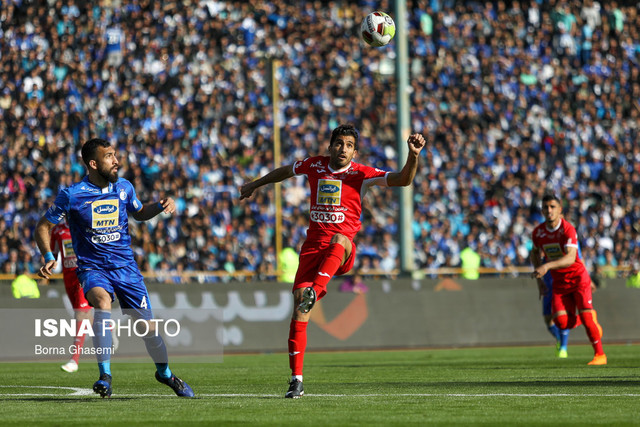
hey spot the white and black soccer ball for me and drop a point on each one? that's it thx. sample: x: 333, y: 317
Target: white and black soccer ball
x: 377, y: 29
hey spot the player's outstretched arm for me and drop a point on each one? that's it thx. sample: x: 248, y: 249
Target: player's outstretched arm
x: 149, y: 210
x: 416, y: 143
x: 43, y: 239
x: 276, y: 175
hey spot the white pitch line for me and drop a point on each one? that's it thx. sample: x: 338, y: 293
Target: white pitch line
x: 76, y: 391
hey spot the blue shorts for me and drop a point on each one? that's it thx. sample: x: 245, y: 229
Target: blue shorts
x: 546, y: 298
x: 126, y: 283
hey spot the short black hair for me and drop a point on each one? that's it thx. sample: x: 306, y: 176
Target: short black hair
x: 90, y: 149
x: 550, y: 196
x: 345, y: 130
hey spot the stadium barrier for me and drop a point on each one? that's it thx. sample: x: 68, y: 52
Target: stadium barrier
x: 246, y: 275
x: 394, y: 313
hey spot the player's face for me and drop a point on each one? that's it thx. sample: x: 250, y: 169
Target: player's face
x: 342, y: 151
x: 107, y: 163
x: 552, y: 212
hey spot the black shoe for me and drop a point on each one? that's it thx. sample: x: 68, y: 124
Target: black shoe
x: 295, y: 390
x: 308, y: 300
x: 181, y: 388
x: 103, y: 386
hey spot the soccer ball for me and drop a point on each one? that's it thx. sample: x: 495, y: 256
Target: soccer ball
x: 377, y: 29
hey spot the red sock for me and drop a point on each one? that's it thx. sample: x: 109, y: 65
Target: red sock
x: 78, y: 343
x: 297, y: 345
x: 592, y: 332
x: 331, y: 263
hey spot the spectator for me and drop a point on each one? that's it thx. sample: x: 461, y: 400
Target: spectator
x: 507, y: 97
x: 23, y: 286
x: 354, y: 283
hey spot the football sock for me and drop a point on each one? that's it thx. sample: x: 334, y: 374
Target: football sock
x: 102, y: 340
x: 297, y: 345
x: 158, y: 351
x: 564, y: 338
x: 555, y: 331
x: 78, y: 343
x: 163, y: 370
x: 330, y: 264
x: 592, y: 331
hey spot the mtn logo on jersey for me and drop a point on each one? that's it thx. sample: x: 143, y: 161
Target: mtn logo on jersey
x: 552, y: 251
x: 329, y: 192
x: 67, y: 247
x: 104, y: 213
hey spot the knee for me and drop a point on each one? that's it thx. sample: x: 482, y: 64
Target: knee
x: 340, y: 239
x: 101, y: 302
x: 561, y: 321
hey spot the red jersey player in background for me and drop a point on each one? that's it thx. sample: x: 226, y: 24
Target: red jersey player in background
x: 61, y: 243
x: 337, y: 185
x: 557, y: 240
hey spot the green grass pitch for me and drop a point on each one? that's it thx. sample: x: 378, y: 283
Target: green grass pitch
x: 471, y: 386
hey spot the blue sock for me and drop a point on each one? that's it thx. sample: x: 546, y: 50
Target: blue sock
x: 564, y: 338
x: 102, y: 339
x: 163, y: 370
x: 555, y: 331
x: 158, y: 352
x: 104, y: 367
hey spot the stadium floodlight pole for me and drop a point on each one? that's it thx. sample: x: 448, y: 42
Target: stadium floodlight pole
x: 275, y: 99
x: 402, y: 133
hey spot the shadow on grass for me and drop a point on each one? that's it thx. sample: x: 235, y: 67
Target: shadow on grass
x: 83, y: 399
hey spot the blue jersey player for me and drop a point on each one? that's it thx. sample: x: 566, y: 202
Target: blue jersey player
x: 561, y: 335
x: 97, y: 210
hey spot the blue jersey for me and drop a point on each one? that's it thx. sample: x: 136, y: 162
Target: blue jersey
x: 98, y: 222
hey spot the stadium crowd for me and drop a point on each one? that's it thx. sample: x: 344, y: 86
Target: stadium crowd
x: 514, y: 99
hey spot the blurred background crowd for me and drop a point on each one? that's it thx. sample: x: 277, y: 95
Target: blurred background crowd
x: 514, y: 98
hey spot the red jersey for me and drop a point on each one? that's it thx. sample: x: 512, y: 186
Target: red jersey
x: 554, y: 244
x: 61, y: 243
x: 336, y: 196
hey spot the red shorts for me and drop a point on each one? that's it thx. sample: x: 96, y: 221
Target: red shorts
x: 310, y: 260
x: 569, y: 297
x: 74, y: 292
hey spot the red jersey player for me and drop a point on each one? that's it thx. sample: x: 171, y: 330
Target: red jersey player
x: 337, y: 186
x: 557, y: 240
x: 61, y: 243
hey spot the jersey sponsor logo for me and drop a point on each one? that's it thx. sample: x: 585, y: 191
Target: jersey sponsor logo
x: 104, y: 209
x: 328, y: 188
x: 329, y: 192
x: 70, y: 263
x: 327, y: 217
x: 104, y: 214
x: 106, y: 238
x: 67, y: 249
x: 552, y: 250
